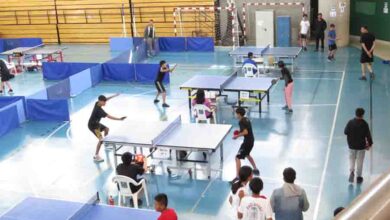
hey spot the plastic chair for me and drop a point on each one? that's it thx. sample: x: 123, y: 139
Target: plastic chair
x: 248, y: 70
x: 200, y: 113
x: 11, y: 66
x: 123, y: 183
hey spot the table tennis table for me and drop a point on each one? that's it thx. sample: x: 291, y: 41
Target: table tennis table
x: 37, y: 53
x: 175, y: 135
x: 279, y: 53
x: 33, y: 208
x: 232, y: 83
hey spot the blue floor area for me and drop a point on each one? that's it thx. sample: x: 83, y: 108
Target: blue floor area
x: 54, y: 160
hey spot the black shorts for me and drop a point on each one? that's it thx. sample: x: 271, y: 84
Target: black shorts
x: 332, y: 47
x: 364, y: 58
x: 97, y: 131
x: 245, y: 149
x: 303, y: 36
x: 159, y: 86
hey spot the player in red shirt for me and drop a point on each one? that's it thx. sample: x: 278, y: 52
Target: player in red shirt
x: 161, y: 205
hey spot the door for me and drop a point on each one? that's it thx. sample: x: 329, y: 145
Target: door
x: 264, y: 28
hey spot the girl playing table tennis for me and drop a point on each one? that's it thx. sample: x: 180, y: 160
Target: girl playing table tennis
x: 5, y: 76
x: 288, y: 86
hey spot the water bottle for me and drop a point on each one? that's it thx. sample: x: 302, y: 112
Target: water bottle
x: 111, y: 201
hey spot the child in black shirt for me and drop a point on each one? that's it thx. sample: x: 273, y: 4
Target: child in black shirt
x: 163, y: 70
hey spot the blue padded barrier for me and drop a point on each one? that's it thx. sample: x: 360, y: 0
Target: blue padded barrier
x: 2, y: 45
x: 146, y: 73
x: 172, y: 44
x: 47, y: 110
x: 283, y: 31
x: 8, y: 119
x: 124, y: 57
x: 10, y: 44
x: 39, y: 95
x: 62, y: 70
x: 204, y: 44
x: 80, y: 82
x: 138, y: 41
x: 96, y: 74
x: 18, y: 101
x: 118, y: 72
x: 60, y: 90
x: 30, y: 42
x: 121, y: 43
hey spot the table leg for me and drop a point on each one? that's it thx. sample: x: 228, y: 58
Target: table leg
x: 189, y: 98
x: 115, y: 159
x: 209, y: 164
x: 292, y: 63
x: 221, y: 151
x: 260, y: 102
x: 239, y: 99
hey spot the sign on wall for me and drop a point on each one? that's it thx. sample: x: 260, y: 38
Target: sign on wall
x: 386, y: 8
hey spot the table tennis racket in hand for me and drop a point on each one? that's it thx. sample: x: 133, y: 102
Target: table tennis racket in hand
x: 235, y: 134
x: 274, y: 81
x: 123, y: 118
x: 173, y: 68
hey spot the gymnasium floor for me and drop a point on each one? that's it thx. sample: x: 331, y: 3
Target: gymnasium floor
x: 54, y: 160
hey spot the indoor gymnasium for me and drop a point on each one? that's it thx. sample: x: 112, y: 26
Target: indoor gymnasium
x: 194, y: 109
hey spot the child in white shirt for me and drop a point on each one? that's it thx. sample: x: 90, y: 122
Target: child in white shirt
x: 304, y: 30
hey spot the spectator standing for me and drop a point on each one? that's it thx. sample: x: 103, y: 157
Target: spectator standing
x: 150, y: 35
x: 367, y: 41
x: 304, y: 30
x: 359, y: 140
x: 289, y: 201
x: 319, y: 31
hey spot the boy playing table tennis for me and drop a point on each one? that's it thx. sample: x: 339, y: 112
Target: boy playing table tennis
x: 161, y: 205
x: 96, y: 127
x: 163, y: 70
x: 247, y: 145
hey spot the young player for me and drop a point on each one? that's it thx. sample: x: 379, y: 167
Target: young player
x: 96, y: 127
x: 247, y: 145
x: 367, y: 41
x: 5, y: 76
x: 240, y: 188
x: 161, y: 205
x: 163, y: 70
x: 305, y: 27
x: 332, y: 37
x: 288, y: 86
x: 256, y: 206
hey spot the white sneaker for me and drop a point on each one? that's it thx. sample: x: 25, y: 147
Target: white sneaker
x: 97, y: 159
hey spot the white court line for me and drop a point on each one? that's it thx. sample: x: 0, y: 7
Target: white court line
x: 320, y: 71
x: 308, y: 78
x: 202, y: 195
x: 323, y: 175
x: 304, y: 105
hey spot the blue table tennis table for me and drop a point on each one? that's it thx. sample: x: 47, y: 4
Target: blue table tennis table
x: 279, y: 53
x: 233, y: 83
x: 33, y: 208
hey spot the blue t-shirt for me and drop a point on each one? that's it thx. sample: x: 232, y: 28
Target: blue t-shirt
x: 251, y: 62
x: 332, y: 37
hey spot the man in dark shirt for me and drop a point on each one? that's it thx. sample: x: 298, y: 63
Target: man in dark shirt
x: 162, y: 71
x: 288, y: 86
x: 319, y: 31
x: 367, y: 41
x: 359, y: 140
x: 96, y: 127
x: 247, y: 144
x: 130, y: 169
x: 149, y: 35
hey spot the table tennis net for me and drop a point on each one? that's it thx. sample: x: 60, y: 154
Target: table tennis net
x: 84, y: 210
x: 164, y: 133
x: 264, y: 50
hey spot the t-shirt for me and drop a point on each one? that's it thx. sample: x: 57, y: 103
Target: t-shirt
x: 251, y: 62
x: 245, y: 123
x: 206, y: 103
x: 358, y: 134
x: 286, y: 76
x: 236, y: 198
x: 305, y: 25
x: 161, y: 74
x: 133, y: 171
x: 97, y: 114
x: 368, y: 40
x: 332, y: 37
x: 258, y: 208
x: 168, y: 214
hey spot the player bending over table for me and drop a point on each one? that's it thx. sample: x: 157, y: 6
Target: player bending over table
x: 247, y: 144
x: 5, y: 76
x: 163, y: 70
x: 96, y: 127
x: 161, y: 205
x: 288, y: 86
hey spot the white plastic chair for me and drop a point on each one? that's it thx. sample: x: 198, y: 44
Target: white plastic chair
x: 11, y: 66
x: 248, y: 70
x: 125, y: 190
x: 200, y: 113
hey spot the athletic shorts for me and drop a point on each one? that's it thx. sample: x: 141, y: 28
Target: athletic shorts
x: 245, y: 150
x: 303, y: 36
x: 332, y: 47
x: 364, y: 58
x: 98, y: 131
x: 159, y: 86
